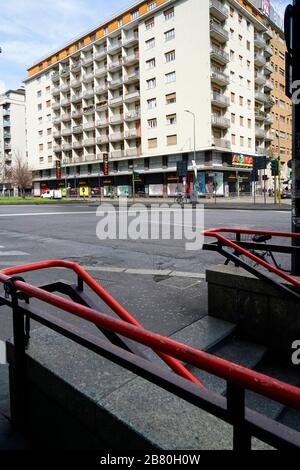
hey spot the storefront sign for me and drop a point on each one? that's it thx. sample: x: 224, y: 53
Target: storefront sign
x: 242, y: 160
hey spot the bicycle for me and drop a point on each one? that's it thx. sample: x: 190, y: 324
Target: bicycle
x: 180, y: 199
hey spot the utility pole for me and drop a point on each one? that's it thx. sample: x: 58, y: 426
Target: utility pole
x: 292, y: 37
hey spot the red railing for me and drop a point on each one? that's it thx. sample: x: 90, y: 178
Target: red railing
x: 271, y: 388
x: 215, y: 233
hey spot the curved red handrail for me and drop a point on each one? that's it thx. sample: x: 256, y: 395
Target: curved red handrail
x: 274, y: 389
x: 175, y: 365
x: 225, y: 241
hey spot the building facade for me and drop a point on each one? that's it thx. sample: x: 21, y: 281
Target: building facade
x: 12, y: 132
x: 127, y: 97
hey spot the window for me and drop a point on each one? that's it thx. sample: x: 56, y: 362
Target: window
x: 240, y: 18
x: 150, y: 43
x: 151, y: 103
x: 249, y: 104
x: 48, y: 103
x: 248, y: 45
x: 41, y: 159
x: 248, y: 64
x: 172, y: 139
x: 49, y: 117
x: 240, y: 37
x: 49, y: 144
x: 39, y: 93
x: 151, y: 5
x: 232, y: 97
x: 134, y: 15
x: 41, y: 147
x: 49, y: 159
x: 151, y: 83
x: 40, y: 133
x: 241, y: 80
x: 169, y: 13
x: 249, y: 123
x: 170, y: 34
x: 249, y: 84
x: 171, y: 119
x: 150, y: 63
x: 149, y: 24
x: 231, y: 12
x: 49, y: 131
x: 152, y: 143
x: 233, y: 139
x: 249, y: 142
x: 170, y: 77
x: 232, y: 118
x: 231, y: 55
x: 232, y: 76
x: 241, y: 121
x: 39, y: 107
x: 170, y: 56
x: 171, y: 98
x: 48, y: 89
x: 241, y: 141
x: 231, y: 33
x: 241, y: 60
x: 40, y: 121
x: 152, y: 123
x: 241, y: 101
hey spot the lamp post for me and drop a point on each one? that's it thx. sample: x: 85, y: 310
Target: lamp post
x: 195, y: 191
x: 65, y: 168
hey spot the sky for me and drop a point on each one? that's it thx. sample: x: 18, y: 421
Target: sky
x: 30, y: 29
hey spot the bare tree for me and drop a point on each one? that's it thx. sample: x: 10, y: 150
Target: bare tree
x: 21, y: 176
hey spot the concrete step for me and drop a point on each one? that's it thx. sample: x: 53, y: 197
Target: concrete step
x: 290, y: 418
x: 244, y: 353
x: 203, y: 334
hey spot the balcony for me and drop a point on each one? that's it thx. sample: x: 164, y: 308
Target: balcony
x: 88, y: 93
x: 100, y: 72
x: 57, y: 148
x: 131, y: 97
x: 259, y: 60
x: 219, y: 77
x: 220, y: 121
x: 116, y: 136
x: 89, y: 142
x: 259, y: 41
x: 268, y: 68
x: 76, y: 83
x: 65, y: 102
x: 259, y: 133
x: 77, y: 114
x: 219, y: 55
x: 115, y: 65
x: 132, y: 115
x: 76, y: 98
x: 114, y: 47
x: 67, y: 131
x: 269, y: 119
x: 269, y: 85
x: 76, y: 67
x: 131, y: 40
x: 87, y: 60
x: 131, y: 59
x: 221, y: 143
x: 133, y: 134
x: 88, y: 110
x: 218, y: 10
x: 117, y: 154
x: 66, y: 117
x: 117, y: 119
x: 261, y: 97
x: 56, y: 91
x: 114, y: 84
x: 6, y: 112
x: 56, y: 120
x: 100, y: 55
x: 219, y: 100
x: 260, y: 78
x: 6, y: 123
x: 7, y: 146
x: 116, y: 101
x: 88, y: 77
x: 100, y: 89
x: 102, y: 123
x: 102, y: 139
x: 268, y: 51
x: 133, y: 152
x: 65, y: 72
x: 90, y: 157
x: 7, y: 135
x: 89, y: 126
x: 55, y: 77
x: 77, y: 129
x: 218, y: 32
x: 79, y: 159
x: 260, y: 115
x: 269, y: 102
x: 102, y: 105
x: 268, y: 137
x: 78, y: 144
x: 100, y: 156
x: 65, y: 87
x: 260, y: 150
x: 132, y: 78
x: 67, y: 146
x: 56, y: 105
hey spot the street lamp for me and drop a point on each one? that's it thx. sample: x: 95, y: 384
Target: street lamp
x: 195, y: 191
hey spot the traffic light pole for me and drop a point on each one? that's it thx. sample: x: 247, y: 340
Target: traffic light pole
x: 292, y: 35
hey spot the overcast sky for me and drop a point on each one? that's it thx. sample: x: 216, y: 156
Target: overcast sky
x: 30, y: 29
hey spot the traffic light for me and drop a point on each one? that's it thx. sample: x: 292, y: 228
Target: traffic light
x: 58, y: 169
x: 274, y: 167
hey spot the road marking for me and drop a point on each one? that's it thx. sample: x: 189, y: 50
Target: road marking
x: 13, y: 253
x: 145, y: 272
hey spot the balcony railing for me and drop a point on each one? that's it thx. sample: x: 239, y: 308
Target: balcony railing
x: 218, y: 32
x: 132, y: 115
x: 56, y: 91
x: 219, y: 77
x: 259, y: 96
x: 260, y: 78
x: 102, y: 139
x: 77, y: 129
x: 115, y: 83
x: 66, y: 131
x: 135, y: 95
x: 218, y: 10
x: 76, y: 98
x: 132, y: 77
x: 88, y: 77
x: 65, y: 102
x: 56, y: 105
x: 78, y: 144
x: 118, y: 154
x: 133, y: 152
x: 75, y: 83
x: 259, y: 41
x: 67, y: 146
x: 57, y: 148
x: 219, y: 54
x: 89, y: 110
x: 269, y: 85
x: 220, y: 99
x: 259, y: 59
x: 100, y: 55
x: 76, y: 66
x: 116, y: 136
x: 102, y: 123
x: 88, y: 126
x: 65, y: 87
x: 55, y: 76
x: 259, y: 132
x: 77, y: 113
x: 132, y: 134
x: 222, y: 143
x: 116, y: 119
x: 88, y: 93
x: 260, y: 115
x: 220, y: 121
x: 131, y: 39
x: 114, y: 47
x: 87, y: 60
x: 115, y: 101
x: 100, y: 89
x: 115, y: 65
x: 101, y: 71
x: 89, y: 142
x: 66, y: 117
x: 65, y: 71
x: 90, y: 157
x: 131, y: 58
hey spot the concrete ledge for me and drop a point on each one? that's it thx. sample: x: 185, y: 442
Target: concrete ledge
x: 260, y: 312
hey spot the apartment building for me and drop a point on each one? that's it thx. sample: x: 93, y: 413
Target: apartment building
x: 12, y: 132
x: 126, y: 97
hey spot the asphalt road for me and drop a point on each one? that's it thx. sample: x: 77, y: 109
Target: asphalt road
x: 32, y: 233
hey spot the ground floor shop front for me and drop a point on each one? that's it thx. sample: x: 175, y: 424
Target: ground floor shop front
x: 208, y: 183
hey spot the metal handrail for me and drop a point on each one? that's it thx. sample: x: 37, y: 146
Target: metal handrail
x: 271, y: 388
